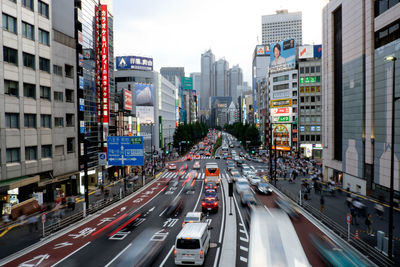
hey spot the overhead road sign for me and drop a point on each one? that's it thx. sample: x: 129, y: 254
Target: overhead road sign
x: 125, y: 150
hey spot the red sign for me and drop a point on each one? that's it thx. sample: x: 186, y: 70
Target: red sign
x: 127, y: 99
x: 348, y: 217
x: 104, y: 62
x: 97, y: 63
x: 43, y: 217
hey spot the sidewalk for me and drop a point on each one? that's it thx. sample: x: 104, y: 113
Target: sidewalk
x: 336, y: 209
x: 19, y: 236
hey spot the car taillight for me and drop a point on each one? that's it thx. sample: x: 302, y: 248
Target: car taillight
x: 205, y: 180
x: 215, y: 203
x: 201, y: 254
x: 183, y: 224
x: 174, y: 252
x: 203, y: 203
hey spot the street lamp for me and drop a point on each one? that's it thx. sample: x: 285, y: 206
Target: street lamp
x: 394, y: 99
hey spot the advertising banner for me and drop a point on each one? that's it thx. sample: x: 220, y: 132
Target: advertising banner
x: 284, y: 94
x: 281, y: 103
x: 187, y: 83
x: 260, y: 50
x: 144, y: 94
x: 281, y: 134
x: 281, y: 111
x: 127, y: 95
x: 104, y: 62
x: 81, y: 104
x: 317, y: 51
x: 160, y: 131
x: 97, y: 56
x: 134, y: 63
x: 306, y: 51
x: 283, y: 55
x: 277, y: 119
x: 145, y: 114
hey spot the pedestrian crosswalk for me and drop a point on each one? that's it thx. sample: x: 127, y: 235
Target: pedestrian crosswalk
x: 201, y: 157
x: 200, y: 175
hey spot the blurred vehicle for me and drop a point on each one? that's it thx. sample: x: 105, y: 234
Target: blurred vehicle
x: 194, y: 217
x: 236, y: 176
x: 173, y: 183
x: 192, y: 244
x: 230, y: 166
x: 189, y: 184
x: 181, y: 174
x: 197, y: 156
x: 245, y: 169
x: 207, y: 154
x: 274, y: 241
x: 250, y: 173
x: 217, y: 156
x: 209, y: 204
x: 175, y: 207
x: 171, y: 166
x: 264, y: 188
x: 196, y: 165
x: 261, y: 172
x: 247, y: 198
x: 185, y: 166
x: 233, y: 171
x: 241, y: 154
x: 225, y: 156
x: 210, y: 185
x: 242, y: 185
x: 287, y: 207
x: 143, y: 250
x: 212, y: 173
x: 231, y: 145
x: 210, y: 193
x: 254, y: 180
x: 239, y: 163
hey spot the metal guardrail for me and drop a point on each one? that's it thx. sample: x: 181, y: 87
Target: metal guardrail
x: 373, y: 254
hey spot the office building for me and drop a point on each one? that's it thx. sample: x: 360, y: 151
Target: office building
x: 170, y: 72
x: 206, y: 82
x: 196, y: 77
x: 221, y: 68
x: 281, y: 26
x: 235, y: 79
x: 219, y: 110
x: 357, y: 94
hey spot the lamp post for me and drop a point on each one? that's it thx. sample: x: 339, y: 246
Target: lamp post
x: 394, y: 99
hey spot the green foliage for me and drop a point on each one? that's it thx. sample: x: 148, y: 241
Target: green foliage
x: 192, y: 133
x: 217, y: 144
x: 244, y: 132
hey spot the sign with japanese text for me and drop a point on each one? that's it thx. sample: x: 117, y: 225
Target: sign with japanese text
x: 134, y: 63
x: 104, y: 62
x: 97, y: 64
x: 281, y: 103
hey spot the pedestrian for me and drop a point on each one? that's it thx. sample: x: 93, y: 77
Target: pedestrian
x: 322, y: 204
x: 368, y: 223
x: 353, y: 213
x: 72, y: 203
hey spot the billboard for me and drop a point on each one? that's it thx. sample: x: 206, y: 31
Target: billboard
x: 281, y: 111
x: 284, y: 94
x: 127, y: 95
x: 134, y: 63
x: 144, y: 94
x: 145, y: 114
x: 281, y: 134
x: 317, y: 51
x: 281, y: 103
x: 283, y: 55
x: 104, y: 62
x: 281, y: 119
x: 306, y: 51
x: 187, y: 83
x: 262, y: 50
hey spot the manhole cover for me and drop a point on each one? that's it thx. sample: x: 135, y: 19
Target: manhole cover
x: 213, y: 245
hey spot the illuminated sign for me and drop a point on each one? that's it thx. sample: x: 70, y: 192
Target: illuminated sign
x: 281, y: 103
x: 281, y: 134
x: 317, y: 51
x: 104, y: 62
x: 281, y: 111
x: 306, y: 51
x: 97, y: 53
x: 135, y: 63
x: 260, y: 50
x: 310, y: 79
x: 281, y: 119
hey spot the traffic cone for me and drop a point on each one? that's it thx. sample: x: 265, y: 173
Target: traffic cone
x: 356, y: 236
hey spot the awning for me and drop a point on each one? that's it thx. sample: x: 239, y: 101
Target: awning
x: 18, y: 182
x: 57, y: 179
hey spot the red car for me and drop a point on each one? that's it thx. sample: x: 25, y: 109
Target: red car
x: 210, y: 185
x: 209, y: 204
x: 207, y: 154
x: 171, y: 167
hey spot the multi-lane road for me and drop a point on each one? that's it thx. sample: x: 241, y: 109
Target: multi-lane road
x: 113, y: 236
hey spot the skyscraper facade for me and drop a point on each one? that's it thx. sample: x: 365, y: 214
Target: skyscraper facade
x: 170, y: 72
x: 207, y: 79
x: 221, y: 68
x: 235, y: 79
x: 281, y: 26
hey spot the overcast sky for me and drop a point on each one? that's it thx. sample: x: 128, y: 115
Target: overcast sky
x: 176, y: 32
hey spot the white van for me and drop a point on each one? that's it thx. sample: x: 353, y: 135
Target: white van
x: 192, y: 244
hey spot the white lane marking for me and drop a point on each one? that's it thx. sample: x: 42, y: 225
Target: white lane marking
x: 69, y: 255
x: 216, y: 257
x: 198, y: 199
x: 243, y: 259
x: 242, y: 231
x: 240, y: 224
x: 202, y: 175
x: 166, y: 257
x: 241, y: 218
x: 267, y: 210
x: 223, y: 215
x: 244, y: 239
x: 119, y: 254
x: 244, y: 248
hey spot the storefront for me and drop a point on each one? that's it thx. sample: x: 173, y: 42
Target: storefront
x: 56, y: 189
x: 311, y: 151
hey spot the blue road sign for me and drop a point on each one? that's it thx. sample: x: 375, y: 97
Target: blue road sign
x: 125, y: 150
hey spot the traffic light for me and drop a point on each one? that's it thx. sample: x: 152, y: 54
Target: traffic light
x: 240, y: 141
x: 252, y: 152
x: 166, y: 152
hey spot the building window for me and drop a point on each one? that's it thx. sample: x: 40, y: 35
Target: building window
x: 307, y: 70
x: 43, y: 9
x: 27, y: 3
x: 301, y: 137
x: 44, y: 64
x: 10, y: 55
x: 11, y: 88
x: 45, y: 92
x: 30, y: 120
x: 294, y: 93
x: 30, y: 90
x: 302, y: 99
x: 46, y: 151
x: 44, y: 37
x: 318, y: 69
x: 58, y: 96
x: 31, y: 153
x: 307, y: 138
x: 294, y: 85
x: 294, y: 101
x: 70, y: 120
x: 281, y: 78
x: 13, y: 155
x: 70, y: 145
x: 318, y: 138
x: 59, y: 150
x: 69, y: 95
x: 301, y: 89
x: 312, y: 69
x: 318, y: 98
x: 57, y: 70
x: 313, y: 99
x: 318, y: 78
x: 69, y: 71
x: 28, y: 30
x: 45, y: 121
x: 312, y: 137
x: 58, y: 122
x: 9, y: 23
x: 29, y: 60
x: 281, y: 87
x: 318, y: 89
x: 12, y: 120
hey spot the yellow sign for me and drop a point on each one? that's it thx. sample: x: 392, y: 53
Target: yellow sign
x: 287, y: 102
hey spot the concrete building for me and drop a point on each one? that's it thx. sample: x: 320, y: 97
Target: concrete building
x: 170, y: 72
x: 235, y: 79
x: 357, y: 95
x: 233, y: 113
x: 281, y: 26
x: 206, y: 82
x: 38, y: 126
x: 219, y: 110
x: 310, y: 107
x: 247, y: 107
x: 221, y: 68
x: 196, y: 76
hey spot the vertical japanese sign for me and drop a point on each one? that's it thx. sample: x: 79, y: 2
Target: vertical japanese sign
x: 160, y: 131
x: 104, y: 62
x: 98, y: 64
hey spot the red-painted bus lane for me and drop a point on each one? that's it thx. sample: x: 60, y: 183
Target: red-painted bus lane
x: 54, y: 250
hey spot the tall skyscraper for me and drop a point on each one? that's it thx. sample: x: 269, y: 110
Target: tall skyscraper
x: 282, y: 25
x: 235, y: 78
x: 170, y: 72
x: 221, y: 68
x: 196, y: 77
x: 207, y: 79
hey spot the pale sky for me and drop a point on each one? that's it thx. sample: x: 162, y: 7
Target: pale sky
x: 176, y: 32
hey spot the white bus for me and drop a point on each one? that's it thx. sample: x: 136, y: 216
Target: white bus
x: 273, y: 240
x: 212, y: 173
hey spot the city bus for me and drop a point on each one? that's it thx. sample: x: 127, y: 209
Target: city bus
x: 274, y: 241
x: 212, y: 173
